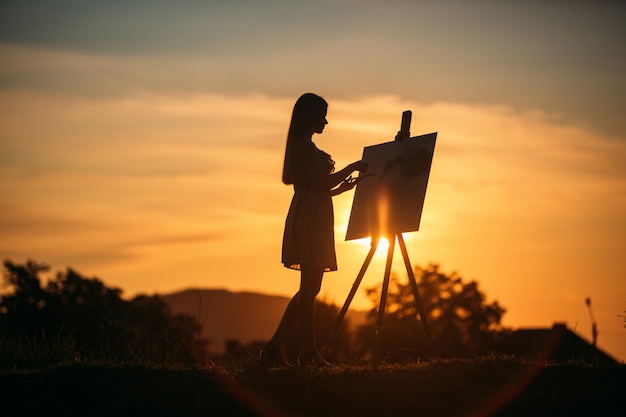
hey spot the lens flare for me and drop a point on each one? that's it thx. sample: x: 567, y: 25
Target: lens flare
x: 382, y: 210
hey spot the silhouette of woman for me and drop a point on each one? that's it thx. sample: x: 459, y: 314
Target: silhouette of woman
x: 308, y: 240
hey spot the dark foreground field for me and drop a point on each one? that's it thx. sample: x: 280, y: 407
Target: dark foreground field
x: 479, y: 387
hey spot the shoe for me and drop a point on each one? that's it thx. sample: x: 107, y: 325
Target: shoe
x: 271, y: 355
x: 315, y: 362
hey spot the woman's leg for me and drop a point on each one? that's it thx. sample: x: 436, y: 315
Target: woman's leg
x: 287, y: 323
x: 310, y: 284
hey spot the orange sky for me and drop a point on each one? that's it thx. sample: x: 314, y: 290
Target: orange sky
x: 146, y: 148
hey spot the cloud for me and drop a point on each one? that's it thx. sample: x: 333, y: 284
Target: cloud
x: 155, y: 27
x: 525, y: 56
x: 148, y: 136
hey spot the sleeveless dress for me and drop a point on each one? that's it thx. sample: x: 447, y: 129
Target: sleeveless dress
x: 309, y: 237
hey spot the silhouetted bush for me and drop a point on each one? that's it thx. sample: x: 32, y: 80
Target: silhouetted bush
x: 73, y: 316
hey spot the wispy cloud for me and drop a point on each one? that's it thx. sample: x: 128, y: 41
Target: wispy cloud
x: 526, y: 56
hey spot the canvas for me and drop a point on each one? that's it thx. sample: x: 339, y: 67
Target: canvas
x: 390, y: 200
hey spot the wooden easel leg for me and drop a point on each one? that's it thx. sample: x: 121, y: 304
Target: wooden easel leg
x: 355, y: 287
x: 418, y: 300
x: 383, y: 295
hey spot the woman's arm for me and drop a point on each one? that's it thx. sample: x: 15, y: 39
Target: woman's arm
x: 348, y: 184
x: 340, y: 176
x: 308, y: 155
x: 345, y: 185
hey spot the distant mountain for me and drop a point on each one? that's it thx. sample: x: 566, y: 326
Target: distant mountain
x: 243, y: 316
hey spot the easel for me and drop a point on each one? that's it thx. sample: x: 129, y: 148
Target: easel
x: 391, y: 238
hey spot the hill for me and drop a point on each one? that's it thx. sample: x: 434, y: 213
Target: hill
x: 244, y: 316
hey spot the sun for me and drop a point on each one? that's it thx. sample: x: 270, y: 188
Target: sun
x: 381, y: 250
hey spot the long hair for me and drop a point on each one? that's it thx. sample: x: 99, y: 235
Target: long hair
x: 307, y: 111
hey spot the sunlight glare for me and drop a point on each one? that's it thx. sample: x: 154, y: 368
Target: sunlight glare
x: 383, y: 212
x: 381, y: 251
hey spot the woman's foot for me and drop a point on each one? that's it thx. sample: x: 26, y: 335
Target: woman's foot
x: 272, y: 355
x: 316, y: 360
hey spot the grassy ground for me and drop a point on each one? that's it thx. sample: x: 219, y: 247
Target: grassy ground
x: 479, y: 387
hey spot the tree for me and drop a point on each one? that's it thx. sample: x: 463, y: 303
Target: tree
x: 24, y: 311
x: 460, y: 320
x: 84, y: 308
x: 95, y: 317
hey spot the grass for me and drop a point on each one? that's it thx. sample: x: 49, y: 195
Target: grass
x: 490, y: 386
x: 477, y: 387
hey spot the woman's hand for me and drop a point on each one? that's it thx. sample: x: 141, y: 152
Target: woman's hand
x: 345, y: 185
x: 349, y: 183
x: 337, y: 179
x: 360, y: 166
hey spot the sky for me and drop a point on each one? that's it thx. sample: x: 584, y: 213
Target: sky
x: 142, y: 142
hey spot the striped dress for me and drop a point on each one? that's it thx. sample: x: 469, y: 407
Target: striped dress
x: 309, y: 229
